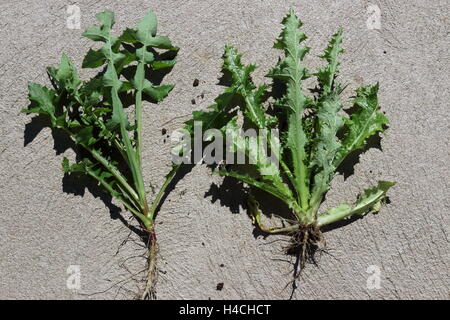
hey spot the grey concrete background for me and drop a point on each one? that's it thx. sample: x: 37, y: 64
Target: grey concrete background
x: 47, y: 224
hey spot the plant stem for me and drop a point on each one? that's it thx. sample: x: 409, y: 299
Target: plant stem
x: 138, y: 111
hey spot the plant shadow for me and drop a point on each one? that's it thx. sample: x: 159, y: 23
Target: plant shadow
x: 229, y: 193
x: 347, y: 167
x: 181, y: 173
x: 77, y: 183
x: 61, y: 142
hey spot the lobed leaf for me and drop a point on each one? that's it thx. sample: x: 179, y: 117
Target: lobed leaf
x: 366, y: 121
x: 367, y: 202
x: 291, y: 72
x: 243, y: 85
x: 329, y: 122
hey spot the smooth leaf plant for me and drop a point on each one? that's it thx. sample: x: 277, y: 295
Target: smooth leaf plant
x: 315, y: 136
x: 93, y: 113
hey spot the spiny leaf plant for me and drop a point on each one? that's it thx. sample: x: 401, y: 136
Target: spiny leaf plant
x: 93, y: 113
x: 315, y: 136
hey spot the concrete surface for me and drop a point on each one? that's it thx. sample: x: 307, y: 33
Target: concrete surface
x: 48, y: 223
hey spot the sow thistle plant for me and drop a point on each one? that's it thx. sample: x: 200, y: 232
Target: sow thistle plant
x: 93, y: 113
x: 315, y: 136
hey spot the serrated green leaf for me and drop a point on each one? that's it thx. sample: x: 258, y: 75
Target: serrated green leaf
x: 366, y: 121
x: 291, y: 72
x: 310, y: 146
x: 329, y: 122
x: 42, y: 100
x: 254, y: 147
x: 367, y: 202
x: 290, y: 36
x: 243, y: 84
x: 215, y: 116
x: 326, y: 74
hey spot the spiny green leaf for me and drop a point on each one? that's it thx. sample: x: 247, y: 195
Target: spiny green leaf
x: 290, y: 36
x: 310, y: 127
x: 253, y: 147
x: 326, y: 74
x: 291, y: 72
x: 243, y: 84
x: 329, y: 122
x: 289, y: 41
x: 366, y: 121
x: 367, y: 202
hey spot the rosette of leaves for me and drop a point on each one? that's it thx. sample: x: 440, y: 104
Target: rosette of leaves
x: 95, y: 114
x: 315, y: 136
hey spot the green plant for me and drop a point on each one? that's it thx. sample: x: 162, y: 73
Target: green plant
x: 93, y: 113
x: 315, y: 136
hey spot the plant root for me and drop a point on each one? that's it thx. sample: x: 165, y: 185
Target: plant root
x: 304, y: 244
x: 150, y: 286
